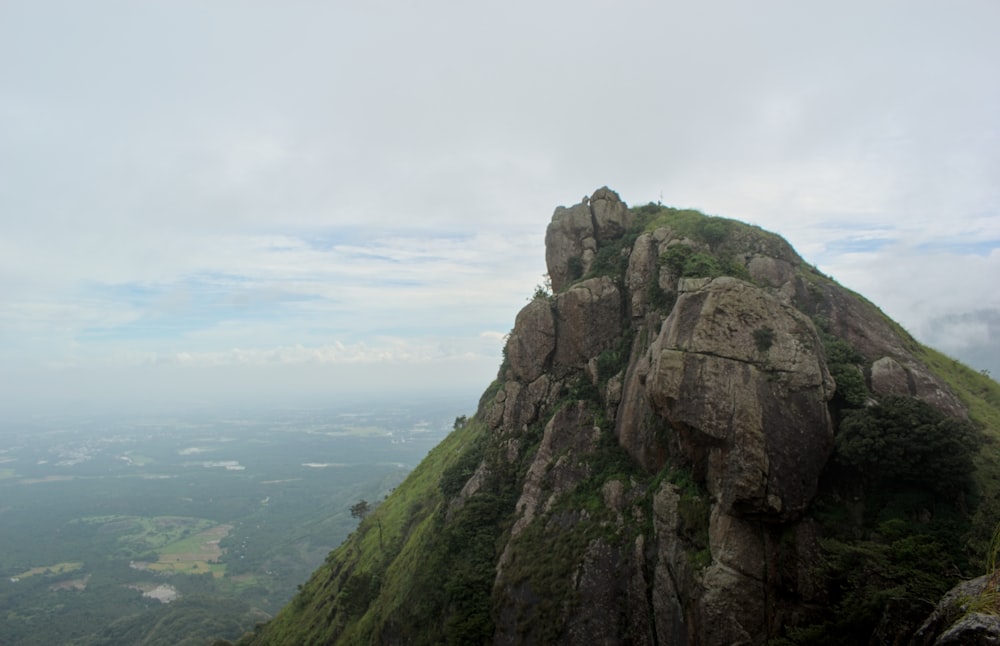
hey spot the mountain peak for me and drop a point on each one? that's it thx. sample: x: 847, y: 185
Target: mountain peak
x: 694, y: 439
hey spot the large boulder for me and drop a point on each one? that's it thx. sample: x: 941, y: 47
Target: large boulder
x: 896, y: 368
x: 570, y: 244
x: 909, y: 378
x: 588, y: 321
x: 532, y: 341
x: 575, y: 233
x: 642, y: 273
x: 741, y: 379
x: 611, y: 216
x: 954, y: 622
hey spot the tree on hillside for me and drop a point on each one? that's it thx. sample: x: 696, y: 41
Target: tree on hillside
x: 360, y: 509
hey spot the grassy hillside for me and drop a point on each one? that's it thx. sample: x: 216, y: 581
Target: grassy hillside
x: 981, y: 394
x: 371, y: 576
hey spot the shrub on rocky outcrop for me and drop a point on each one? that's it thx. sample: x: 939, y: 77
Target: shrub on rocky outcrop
x: 904, y: 442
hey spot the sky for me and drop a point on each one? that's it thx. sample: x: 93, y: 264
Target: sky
x: 289, y: 203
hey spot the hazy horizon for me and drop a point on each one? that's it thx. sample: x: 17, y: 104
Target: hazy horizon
x: 262, y: 204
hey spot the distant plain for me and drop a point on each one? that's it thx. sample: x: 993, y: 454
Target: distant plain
x: 106, y: 523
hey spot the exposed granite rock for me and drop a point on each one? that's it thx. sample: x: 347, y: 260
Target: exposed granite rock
x: 974, y: 629
x: 559, y: 462
x: 771, y: 272
x: 611, y: 216
x: 890, y: 378
x: 871, y: 333
x: 732, y: 381
x: 674, y: 584
x: 641, y: 272
x: 588, y: 321
x: 570, y: 244
x: 612, y: 598
x: 728, y: 600
x: 913, y: 379
x: 952, y: 624
x: 737, y: 544
x: 637, y: 425
x: 575, y: 233
x: 516, y: 405
x: 532, y: 341
x: 751, y: 416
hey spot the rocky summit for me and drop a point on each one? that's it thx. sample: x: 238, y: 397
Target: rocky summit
x: 694, y: 438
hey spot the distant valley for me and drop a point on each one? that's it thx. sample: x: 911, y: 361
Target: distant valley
x: 182, y: 529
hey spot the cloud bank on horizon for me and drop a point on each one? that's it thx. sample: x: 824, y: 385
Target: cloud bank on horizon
x: 257, y: 202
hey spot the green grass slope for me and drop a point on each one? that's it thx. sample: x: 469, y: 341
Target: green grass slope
x: 370, y: 579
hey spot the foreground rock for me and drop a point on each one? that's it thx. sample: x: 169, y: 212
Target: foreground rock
x: 954, y: 623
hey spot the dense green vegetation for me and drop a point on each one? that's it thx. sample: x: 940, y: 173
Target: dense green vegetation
x: 981, y: 395
x: 368, y: 583
x: 682, y: 259
x: 722, y: 236
x: 905, y: 442
x: 611, y: 258
x: 687, y: 262
x: 895, y: 517
x: 844, y: 363
x: 191, y: 621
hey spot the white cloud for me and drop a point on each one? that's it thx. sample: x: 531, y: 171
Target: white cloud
x: 385, y: 350
x: 189, y: 179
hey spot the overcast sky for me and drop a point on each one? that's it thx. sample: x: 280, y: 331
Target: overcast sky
x: 273, y: 202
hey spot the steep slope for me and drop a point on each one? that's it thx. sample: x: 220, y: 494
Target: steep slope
x: 695, y: 439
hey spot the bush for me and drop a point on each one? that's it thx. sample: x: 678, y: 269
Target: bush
x: 763, y: 337
x: 454, y: 477
x: 609, y: 364
x: 612, y: 256
x: 714, y: 230
x: 842, y: 360
x: 686, y: 262
x: 574, y: 266
x: 904, y: 441
x: 852, y: 391
x: 660, y: 299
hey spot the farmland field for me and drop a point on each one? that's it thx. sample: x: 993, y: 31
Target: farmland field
x: 108, y: 527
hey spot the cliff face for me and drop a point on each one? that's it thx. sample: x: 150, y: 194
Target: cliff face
x: 647, y: 466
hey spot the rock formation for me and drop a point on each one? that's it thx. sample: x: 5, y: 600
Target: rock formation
x: 649, y: 458
x: 955, y: 623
